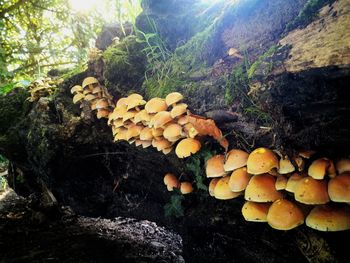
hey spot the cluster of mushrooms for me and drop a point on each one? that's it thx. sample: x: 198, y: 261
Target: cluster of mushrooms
x: 94, y: 95
x: 42, y: 87
x: 171, y: 182
x: 158, y: 122
x: 283, y: 194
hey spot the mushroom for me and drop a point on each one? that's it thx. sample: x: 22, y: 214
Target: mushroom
x: 157, y: 132
x: 88, y: 84
x: 76, y: 89
x: 329, y: 218
x: 320, y: 167
x: 160, y: 119
x: 255, y: 212
x: 183, y: 120
x: 261, y: 188
x: 167, y: 150
x: 118, y: 112
x: 129, y: 115
x: 178, y: 110
x: 339, y: 188
x: 173, y: 132
x: 306, y: 153
x: 97, y: 90
x: 78, y: 97
x: 343, y: 165
x: 90, y: 97
x: 215, y: 166
x: 284, y: 215
x: 212, y: 185
x: 161, y: 144
x: 293, y: 181
x: 190, y: 130
x: 281, y: 182
x: 133, y: 131
x: 187, y: 147
x: 171, y: 181
x: 285, y: 166
x: 172, y: 98
x: 122, y: 102
x: 300, y: 163
x: 239, y: 180
x: 311, y: 191
x: 102, y: 113
x: 235, y: 159
x: 146, y: 144
x: 155, y: 105
x: 186, y: 188
x: 222, y: 190
x: 261, y: 160
x: 134, y: 96
x: 135, y: 103
x: 146, y: 134
x: 121, y: 135
x: 142, y: 116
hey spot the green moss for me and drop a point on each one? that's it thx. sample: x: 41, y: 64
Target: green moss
x: 262, y: 59
x: 307, y: 14
x: 161, y: 87
x: 125, y: 65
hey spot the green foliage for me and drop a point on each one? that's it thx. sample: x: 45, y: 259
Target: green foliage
x: 3, y: 167
x: 262, y: 59
x: 3, y: 183
x: 237, y: 86
x: 307, y: 14
x: 174, y: 207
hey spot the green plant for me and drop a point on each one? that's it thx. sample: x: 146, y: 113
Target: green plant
x: 264, y: 58
x: 174, y: 207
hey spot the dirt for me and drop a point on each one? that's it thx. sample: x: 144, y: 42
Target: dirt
x: 29, y: 235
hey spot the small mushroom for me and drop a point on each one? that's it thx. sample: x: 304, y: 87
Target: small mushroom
x: 339, y: 188
x: 235, y: 159
x: 343, y: 165
x: 255, y: 212
x: 320, y: 167
x: 142, y: 116
x: 171, y: 181
x: 161, y: 144
x: 281, y: 182
x: 78, y: 97
x: 187, y: 147
x: 261, y: 188
x: 215, y: 166
x: 239, y: 180
x: 311, y: 191
x: 122, y: 102
x: 133, y: 132
x: 284, y: 215
x: 160, y: 119
x: 173, y: 98
x: 178, y: 110
x: 285, y: 166
x: 155, y: 105
x: 293, y: 181
x: 222, y: 190
x: 183, y: 120
x: 212, y: 185
x: 146, y: 134
x: 261, y: 160
x: 89, y: 82
x: 329, y: 218
x: 102, y: 104
x: 102, y: 113
x: 172, y: 132
x: 76, y: 89
x: 157, y: 132
x: 186, y: 188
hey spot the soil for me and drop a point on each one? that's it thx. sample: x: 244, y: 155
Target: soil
x: 29, y: 235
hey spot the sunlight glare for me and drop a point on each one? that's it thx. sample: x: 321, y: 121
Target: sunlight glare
x: 83, y: 6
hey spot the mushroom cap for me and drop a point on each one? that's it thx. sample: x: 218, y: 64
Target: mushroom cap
x: 134, y: 96
x: 311, y: 191
x: 118, y: 112
x: 167, y: 150
x: 171, y: 181
x: 133, y: 131
x: 160, y: 119
x: 102, y: 104
x: 293, y: 182
x: 117, y: 123
x: 212, y: 185
x: 76, y: 89
x: 222, y: 190
x: 89, y: 81
x: 183, y: 120
x: 235, y: 159
x: 281, y: 182
x: 261, y: 160
x: 329, y: 218
x: 190, y: 130
x: 102, y: 113
x: 285, y: 166
x: 155, y: 105
x: 78, y: 97
x: 318, y: 168
x: 339, y: 188
x: 172, y: 130
x: 255, y: 212
x: 142, y: 116
x: 173, y: 97
x: 187, y: 147
x: 300, y: 163
x: 261, y: 188
x: 284, y: 215
x: 161, y: 144
x: 146, y: 144
x: 306, y: 153
x: 90, y: 97
x: 178, y: 110
x: 343, y: 165
x: 157, y: 132
x: 186, y: 188
x: 146, y: 134
x: 96, y: 90
x: 129, y: 115
x: 121, y: 134
x: 122, y: 102
x: 215, y: 166
x: 133, y: 103
x: 239, y: 180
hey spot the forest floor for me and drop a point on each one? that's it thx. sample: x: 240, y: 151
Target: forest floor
x: 29, y: 235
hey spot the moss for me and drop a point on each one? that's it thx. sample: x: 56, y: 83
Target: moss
x: 307, y: 14
x: 162, y: 87
x: 262, y: 59
x: 125, y: 65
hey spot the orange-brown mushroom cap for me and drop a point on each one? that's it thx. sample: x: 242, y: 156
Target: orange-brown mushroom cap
x: 261, y: 160
x: 339, y: 188
x: 284, y: 215
x: 171, y: 181
x: 155, y: 105
x: 311, y: 191
x: 261, y: 188
x: 222, y: 190
x: 187, y: 147
x: 329, y: 218
x: 212, y: 185
x: 343, y: 165
x: 186, y: 188
x: 215, y: 166
x: 235, y: 159
x: 239, y: 180
x: 173, y: 97
x: 255, y: 212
